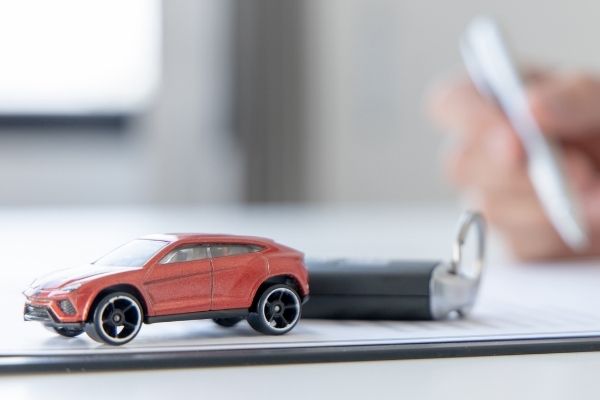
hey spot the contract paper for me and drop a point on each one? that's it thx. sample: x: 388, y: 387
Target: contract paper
x: 516, y: 302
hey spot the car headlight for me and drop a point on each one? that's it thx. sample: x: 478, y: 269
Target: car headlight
x: 70, y: 288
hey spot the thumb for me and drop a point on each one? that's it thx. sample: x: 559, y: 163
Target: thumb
x: 567, y: 105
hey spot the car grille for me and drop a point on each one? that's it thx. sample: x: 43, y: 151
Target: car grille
x: 35, y: 313
x: 67, y: 307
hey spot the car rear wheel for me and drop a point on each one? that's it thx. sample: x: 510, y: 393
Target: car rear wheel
x: 117, y: 319
x: 227, y: 322
x: 277, y: 311
x: 66, y: 332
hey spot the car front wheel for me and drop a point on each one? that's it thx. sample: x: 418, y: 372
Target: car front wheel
x: 117, y: 319
x: 277, y: 310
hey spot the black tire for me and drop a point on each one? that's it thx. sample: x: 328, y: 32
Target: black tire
x: 227, y: 322
x: 116, y: 319
x: 278, y: 310
x: 91, y: 332
x: 66, y: 332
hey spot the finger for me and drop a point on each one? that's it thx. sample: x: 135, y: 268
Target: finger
x: 589, y: 145
x: 534, y: 74
x: 589, y: 201
x: 512, y: 212
x: 458, y: 108
x: 535, y: 243
x: 585, y: 180
x: 495, y: 164
x: 579, y: 169
x: 467, y: 174
x: 511, y: 201
x: 522, y: 223
x: 568, y: 105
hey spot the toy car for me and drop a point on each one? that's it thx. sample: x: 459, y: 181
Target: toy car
x: 174, y: 277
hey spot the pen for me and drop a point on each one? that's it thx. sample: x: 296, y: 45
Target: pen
x: 492, y: 71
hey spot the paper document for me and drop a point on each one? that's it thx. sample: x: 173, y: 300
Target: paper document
x: 515, y: 303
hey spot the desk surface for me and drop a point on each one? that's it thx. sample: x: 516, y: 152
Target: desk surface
x: 35, y: 240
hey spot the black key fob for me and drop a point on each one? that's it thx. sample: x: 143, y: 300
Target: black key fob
x: 397, y: 290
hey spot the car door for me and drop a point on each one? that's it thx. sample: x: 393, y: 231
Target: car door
x: 237, y: 270
x: 182, y: 281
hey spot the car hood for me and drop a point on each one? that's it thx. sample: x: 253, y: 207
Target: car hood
x: 68, y: 276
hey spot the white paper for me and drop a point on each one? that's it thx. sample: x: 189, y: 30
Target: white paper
x: 516, y: 302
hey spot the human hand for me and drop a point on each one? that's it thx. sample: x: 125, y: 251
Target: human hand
x: 489, y: 163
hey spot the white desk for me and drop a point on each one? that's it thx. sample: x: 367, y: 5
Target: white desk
x: 35, y: 241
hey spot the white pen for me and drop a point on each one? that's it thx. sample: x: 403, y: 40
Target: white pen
x: 492, y: 71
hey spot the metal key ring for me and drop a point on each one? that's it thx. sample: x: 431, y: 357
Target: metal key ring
x: 469, y: 219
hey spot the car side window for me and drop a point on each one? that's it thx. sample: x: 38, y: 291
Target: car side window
x: 186, y: 253
x: 224, y: 250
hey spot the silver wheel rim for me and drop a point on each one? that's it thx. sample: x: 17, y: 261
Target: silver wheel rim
x: 281, y: 309
x: 120, y: 319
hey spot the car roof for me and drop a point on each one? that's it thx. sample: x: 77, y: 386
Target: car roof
x: 207, y: 237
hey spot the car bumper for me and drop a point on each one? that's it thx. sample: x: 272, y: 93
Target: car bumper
x: 64, y: 310
x: 46, y: 316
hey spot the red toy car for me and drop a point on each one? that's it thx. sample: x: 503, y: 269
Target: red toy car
x: 174, y: 277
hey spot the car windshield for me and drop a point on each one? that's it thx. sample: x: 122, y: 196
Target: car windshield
x: 133, y: 254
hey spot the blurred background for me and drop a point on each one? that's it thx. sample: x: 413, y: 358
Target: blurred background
x: 187, y: 102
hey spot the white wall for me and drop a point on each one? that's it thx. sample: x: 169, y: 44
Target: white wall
x: 369, y: 63
x: 188, y: 146
x: 373, y: 60
x: 168, y: 154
